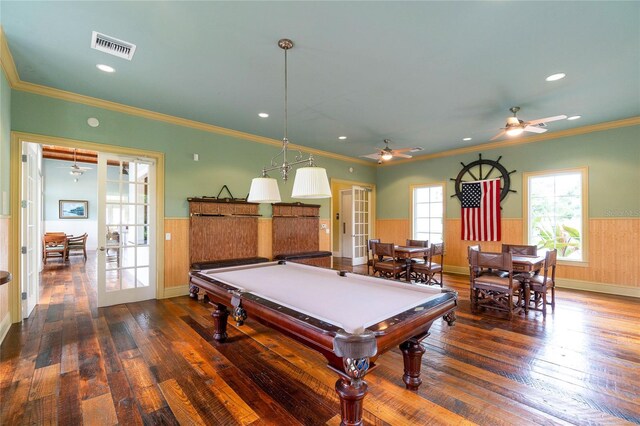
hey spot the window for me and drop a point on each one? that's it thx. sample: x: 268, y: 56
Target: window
x: 427, y: 212
x: 556, y: 212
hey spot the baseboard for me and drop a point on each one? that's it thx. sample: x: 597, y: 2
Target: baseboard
x: 458, y: 270
x: 181, y: 290
x: 335, y: 254
x: 5, y: 324
x: 596, y: 287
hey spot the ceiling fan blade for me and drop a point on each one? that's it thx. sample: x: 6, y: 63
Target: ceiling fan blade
x: 374, y: 156
x: 401, y: 150
x: 396, y: 154
x: 547, y: 120
x: 499, y: 135
x: 535, y: 129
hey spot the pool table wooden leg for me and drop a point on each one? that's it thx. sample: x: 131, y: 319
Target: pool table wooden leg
x: 220, y: 321
x: 412, y: 354
x: 351, y: 398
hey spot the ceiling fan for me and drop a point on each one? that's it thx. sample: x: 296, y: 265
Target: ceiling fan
x: 75, y: 169
x: 386, y: 153
x: 515, y: 126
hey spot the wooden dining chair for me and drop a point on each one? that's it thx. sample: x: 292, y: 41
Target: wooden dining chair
x: 425, y: 272
x: 369, y: 253
x: 77, y: 244
x: 54, y: 246
x: 475, y: 247
x: 489, y: 290
x: 385, y: 263
x: 539, y: 284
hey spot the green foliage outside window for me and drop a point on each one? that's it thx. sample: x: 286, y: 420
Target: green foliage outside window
x: 555, y: 212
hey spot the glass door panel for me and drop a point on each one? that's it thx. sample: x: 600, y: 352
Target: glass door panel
x: 126, y: 268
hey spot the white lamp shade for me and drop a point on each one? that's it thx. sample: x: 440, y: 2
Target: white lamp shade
x: 264, y: 190
x: 311, y: 182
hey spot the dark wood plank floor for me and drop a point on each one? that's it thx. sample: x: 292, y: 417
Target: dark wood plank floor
x: 154, y: 362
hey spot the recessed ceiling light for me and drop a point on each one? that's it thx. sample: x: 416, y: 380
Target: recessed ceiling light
x: 93, y: 122
x: 263, y: 115
x: 105, y: 68
x: 342, y: 137
x: 554, y: 77
x: 574, y: 117
x: 466, y: 139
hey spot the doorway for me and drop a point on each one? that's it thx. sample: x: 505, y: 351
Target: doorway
x: 144, y: 219
x: 346, y: 224
x: 355, y: 223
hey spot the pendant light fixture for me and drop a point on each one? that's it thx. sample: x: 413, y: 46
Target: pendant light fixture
x: 310, y: 181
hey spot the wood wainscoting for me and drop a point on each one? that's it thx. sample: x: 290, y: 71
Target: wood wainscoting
x: 5, y: 316
x: 176, y: 250
x: 613, y: 251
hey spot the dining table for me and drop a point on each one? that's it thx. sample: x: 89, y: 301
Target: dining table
x: 524, y: 266
x: 407, y: 253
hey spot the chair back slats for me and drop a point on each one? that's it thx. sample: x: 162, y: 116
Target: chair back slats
x: 518, y: 249
x: 550, y: 261
x: 54, y: 239
x: 490, y: 260
x: 437, y: 249
x: 381, y: 250
x: 417, y: 243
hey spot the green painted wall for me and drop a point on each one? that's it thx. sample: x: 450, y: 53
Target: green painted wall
x: 613, y: 159
x: 5, y: 142
x: 222, y: 159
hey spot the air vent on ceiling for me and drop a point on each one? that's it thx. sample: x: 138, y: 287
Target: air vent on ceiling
x: 112, y: 46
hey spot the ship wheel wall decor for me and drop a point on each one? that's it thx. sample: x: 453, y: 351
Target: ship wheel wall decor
x: 483, y: 169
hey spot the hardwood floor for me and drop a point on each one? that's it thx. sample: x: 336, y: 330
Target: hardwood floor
x: 155, y: 362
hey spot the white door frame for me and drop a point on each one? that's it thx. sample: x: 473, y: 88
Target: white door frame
x: 15, y: 262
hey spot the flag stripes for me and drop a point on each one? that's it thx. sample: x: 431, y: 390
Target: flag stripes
x: 481, y: 210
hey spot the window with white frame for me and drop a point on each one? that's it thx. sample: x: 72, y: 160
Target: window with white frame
x: 427, y: 212
x: 556, y: 206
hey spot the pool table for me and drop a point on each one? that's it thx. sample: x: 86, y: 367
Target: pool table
x: 351, y: 319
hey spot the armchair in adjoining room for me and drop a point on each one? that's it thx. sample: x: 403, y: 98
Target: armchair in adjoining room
x: 77, y: 244
x: 54, y: 245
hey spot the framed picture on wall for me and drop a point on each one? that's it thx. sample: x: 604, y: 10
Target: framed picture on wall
x: 74, y: 209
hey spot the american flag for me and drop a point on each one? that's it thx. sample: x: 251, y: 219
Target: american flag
x: 481, y: 210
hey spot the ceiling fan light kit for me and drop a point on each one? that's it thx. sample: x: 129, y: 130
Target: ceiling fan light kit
x: 310, y: 182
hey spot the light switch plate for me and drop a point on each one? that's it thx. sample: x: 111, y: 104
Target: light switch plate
x: 167, y: 236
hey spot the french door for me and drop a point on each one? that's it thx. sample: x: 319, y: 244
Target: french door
x: 30, y: 239
x: 126, y: 229
x: 360, y: 224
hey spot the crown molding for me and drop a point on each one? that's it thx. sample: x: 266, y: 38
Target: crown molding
x: 6, y: 61
x: 626, y: 122
x: 8, y: 65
